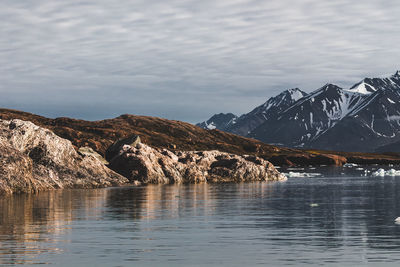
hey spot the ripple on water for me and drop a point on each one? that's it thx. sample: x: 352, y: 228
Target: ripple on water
x: 207, y: 224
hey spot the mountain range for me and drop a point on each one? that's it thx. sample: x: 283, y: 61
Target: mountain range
x: 364, y: 118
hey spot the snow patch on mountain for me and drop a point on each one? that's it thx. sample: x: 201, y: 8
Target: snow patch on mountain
x: 362, y: 88
x: 211, y: 126
x: 296, y: 94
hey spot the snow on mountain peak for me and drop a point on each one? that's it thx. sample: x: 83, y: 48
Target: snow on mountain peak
x: 286, y: 98
x: 371, y: 85
x: 296, y: 93
x: 363, y: 88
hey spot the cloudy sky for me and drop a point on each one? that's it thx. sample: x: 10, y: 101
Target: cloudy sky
x: 186, y: 59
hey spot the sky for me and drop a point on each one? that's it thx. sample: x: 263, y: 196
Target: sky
x: 186, y: 59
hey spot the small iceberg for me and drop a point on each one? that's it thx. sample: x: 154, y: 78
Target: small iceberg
x: 350, y: 165
x: 302, y: 174
x: 397, y: 220
x: 382, y: 173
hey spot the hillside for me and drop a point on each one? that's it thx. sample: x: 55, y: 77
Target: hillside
x: 176, y: 135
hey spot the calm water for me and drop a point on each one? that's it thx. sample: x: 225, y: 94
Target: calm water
x: 351, y: 222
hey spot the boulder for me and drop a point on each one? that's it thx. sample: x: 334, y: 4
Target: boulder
x: 115, y: 148
x: 150, y: 165
x: 34, y: 159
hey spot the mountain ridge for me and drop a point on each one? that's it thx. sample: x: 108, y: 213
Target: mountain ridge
x: 320, y: 118
x: 247, y: 122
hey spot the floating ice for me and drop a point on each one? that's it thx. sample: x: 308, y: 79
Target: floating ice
x: 302, y: 174
x: 295, y: 169
x: 366, y: 172
x: 382, y: 173
x: 350, y: 165
x: 397, y: 220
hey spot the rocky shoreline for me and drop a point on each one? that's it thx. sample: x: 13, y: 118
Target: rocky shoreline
x: 39, y: 153
x: 180, y: 136
x: 35, y: 159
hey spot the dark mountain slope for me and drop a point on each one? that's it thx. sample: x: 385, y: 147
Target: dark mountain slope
x: 270, y: 109
x: 374, y: 123
x: 362, y: 118
x: 219, y: 121
x: 309, y: 117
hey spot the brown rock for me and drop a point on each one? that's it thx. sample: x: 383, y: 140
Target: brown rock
x: 149, y: 165
x: 115, y: 148
x: 15, y: 170
x: 34, y: 158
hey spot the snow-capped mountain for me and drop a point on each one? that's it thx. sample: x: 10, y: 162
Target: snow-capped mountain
x: 219, y: 121
x: 246, y: 123
x: 373, y: 123
x: 365, y: 117
x: 370, y: 85
x: 309, y: 117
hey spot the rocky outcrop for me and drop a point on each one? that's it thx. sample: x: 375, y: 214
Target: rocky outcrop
x: 115, y: 148
x: 33, y: 159
x: 16, y: 170
x: 88, y: 151
x: 149, y: 165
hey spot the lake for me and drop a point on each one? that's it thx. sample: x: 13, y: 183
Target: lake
x: 336, y: 219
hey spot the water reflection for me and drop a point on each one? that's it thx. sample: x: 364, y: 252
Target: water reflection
x: 350, y: 222
x: 30, y: 224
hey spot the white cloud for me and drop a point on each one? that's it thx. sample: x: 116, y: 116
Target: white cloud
x: 100, y: 58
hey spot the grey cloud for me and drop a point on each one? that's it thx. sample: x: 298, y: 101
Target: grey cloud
x: 185, y: 59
